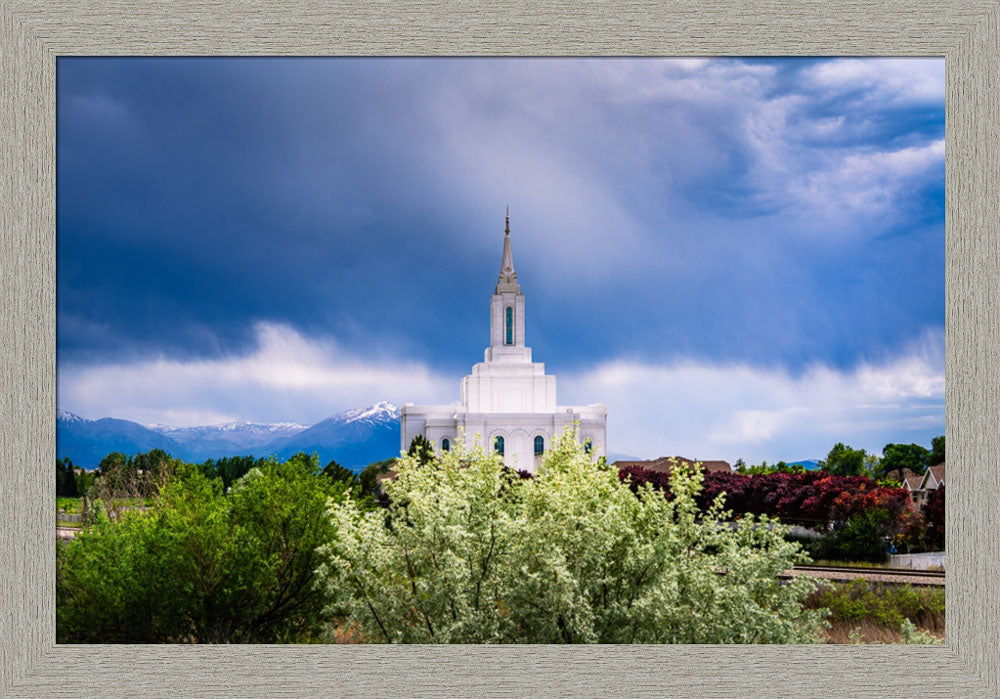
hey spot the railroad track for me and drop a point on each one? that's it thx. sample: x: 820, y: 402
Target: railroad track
x: 872, y: 569
x: 884, y: 575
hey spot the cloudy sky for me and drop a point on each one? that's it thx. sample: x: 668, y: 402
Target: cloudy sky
x: 740, y: 258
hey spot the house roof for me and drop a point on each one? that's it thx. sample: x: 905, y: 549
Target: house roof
x: 663, y: 464
x: 389, y: 475
x: 934, y: 477
x: 911, y: 479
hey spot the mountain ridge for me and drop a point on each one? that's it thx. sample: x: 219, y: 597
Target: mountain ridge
x: 354, y: 438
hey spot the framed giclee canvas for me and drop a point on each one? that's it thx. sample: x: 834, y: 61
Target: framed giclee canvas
x: 33, y: 35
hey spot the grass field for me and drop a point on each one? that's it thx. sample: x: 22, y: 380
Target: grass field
x: 69, y: 505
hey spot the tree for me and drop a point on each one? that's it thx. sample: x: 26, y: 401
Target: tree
x: 368, y: 478
x: 202, y: 565
x: 66, y: 484
x: 124, y: 482
x: 873, y: 466
x: 934, y: 514
x: 473, y: 553
x: 337, y: 473
x: 231, y: 468
x: 937, y: 451
x: 863, y: 538
x: 422, y: 449
x: 765, y: 469
x: 897, y: 457
x: 844, y: 461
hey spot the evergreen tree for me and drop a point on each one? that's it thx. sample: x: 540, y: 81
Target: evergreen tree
x: 421, y: 449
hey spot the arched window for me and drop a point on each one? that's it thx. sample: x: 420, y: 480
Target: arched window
x: 509, y: 324
x: 586, y: 446
x: 539, y: 445
x: 498, y: 445
x: 445, y: 445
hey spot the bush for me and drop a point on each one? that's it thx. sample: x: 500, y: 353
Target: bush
x: 810, y: 498
x: 863, y: 538
x: 474, y: 553
x: 201, y: 566
x: 887, y: 605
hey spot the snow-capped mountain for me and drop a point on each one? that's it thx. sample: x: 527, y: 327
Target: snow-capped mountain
x: 379, y: 413
x: 86, y: 442
x: 229, y: 435
x: 354, y: 438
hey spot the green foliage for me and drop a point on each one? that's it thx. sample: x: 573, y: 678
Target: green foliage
x: 764, y: 468
x: 125, y: 481
x: 201, y: 565
x: 230, y: 468
x: 913, y: 636
x: 66, y: 480
x: 421, y: 449
x: 338, y: 474
x: 937, y: 451
x: 114, y: 460
x: 844, y: 461
x: 69, y: 505
x: 887, y: 605
x: 863, y: 538
x: 368, y: 478
x: 473, y: 553
x: 873, y: 469
x: 896, y: 457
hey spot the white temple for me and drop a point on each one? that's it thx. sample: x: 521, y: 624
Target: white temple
x: 508, y: 402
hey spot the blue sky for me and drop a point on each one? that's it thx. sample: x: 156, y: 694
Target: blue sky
x: 741, y: 258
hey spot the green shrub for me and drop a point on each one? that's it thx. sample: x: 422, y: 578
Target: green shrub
x: 887, y: 605
x: 469, y: 552
x: 203, y: 566
x: 861, y: 539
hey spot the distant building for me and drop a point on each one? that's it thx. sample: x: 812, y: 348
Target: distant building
x: 911, y: 482
x: 508, y: 402
x: 920, y: 486
x: 933, y: 478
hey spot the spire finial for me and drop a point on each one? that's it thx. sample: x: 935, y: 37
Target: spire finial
x: 508, y: 278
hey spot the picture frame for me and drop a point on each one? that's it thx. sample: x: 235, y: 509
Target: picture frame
x: 33, y: 35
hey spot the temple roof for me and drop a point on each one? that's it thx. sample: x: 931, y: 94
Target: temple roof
x: 507, y: 281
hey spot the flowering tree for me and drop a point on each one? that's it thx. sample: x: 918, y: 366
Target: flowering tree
x: 811, y: 498
x: 469, y: 552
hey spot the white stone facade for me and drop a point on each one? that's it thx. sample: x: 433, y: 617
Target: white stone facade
x: 507, y: 396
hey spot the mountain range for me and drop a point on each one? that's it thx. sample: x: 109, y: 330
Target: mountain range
x: 354, y: 438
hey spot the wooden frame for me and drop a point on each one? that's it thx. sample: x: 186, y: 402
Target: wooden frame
x: 33, y: 34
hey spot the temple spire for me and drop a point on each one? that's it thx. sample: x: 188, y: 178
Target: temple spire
x: 507, y: 281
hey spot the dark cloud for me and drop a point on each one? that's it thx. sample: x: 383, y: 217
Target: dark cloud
x: 660, y: 209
